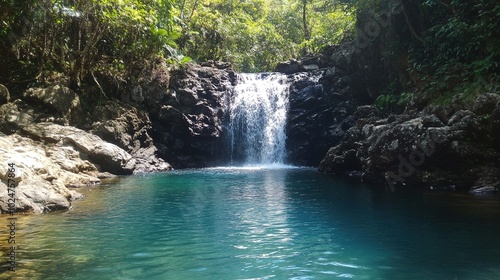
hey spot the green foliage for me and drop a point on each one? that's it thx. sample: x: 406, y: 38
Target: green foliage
x: 389, y: 102
x: 257, y: 34
x: 79, y: 37
x: 460, y: 43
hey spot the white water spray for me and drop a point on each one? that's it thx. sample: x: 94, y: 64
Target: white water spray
x: 258, y: 111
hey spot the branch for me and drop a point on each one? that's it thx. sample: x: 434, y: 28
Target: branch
x: 98, y: 85
x: 412, y: 31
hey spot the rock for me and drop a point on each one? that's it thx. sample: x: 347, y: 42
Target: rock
x: 15, y: 115
x: 431, y: 121
x: 129, y: 128
x: 340, y: 162
x: 186, y: 96
x: 4, y: 94
x: 488, y: 182
x: 147, y: 161
x: 317, y: 118
x: 136, y: 94
x: 110, y: 157
x: 288, y: 67
x: 485, y: 103
x: 45, y: 174
x: 154, y: 83
x: 57, y: 98
x: 417, y: 151
x: 310, y: 67
x: 366, y: 112
x: 188, y: 126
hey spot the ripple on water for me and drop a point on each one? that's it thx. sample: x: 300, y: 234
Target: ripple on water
x: 258, y: 224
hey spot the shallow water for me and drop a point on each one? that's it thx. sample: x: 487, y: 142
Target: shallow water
x: 259, y: 223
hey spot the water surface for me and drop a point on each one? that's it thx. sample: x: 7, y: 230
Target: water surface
x: 260, y: 223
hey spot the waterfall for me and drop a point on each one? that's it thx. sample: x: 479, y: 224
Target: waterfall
x: 258, y: 111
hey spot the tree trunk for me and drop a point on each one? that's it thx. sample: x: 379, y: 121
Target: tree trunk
x: 307, y: 33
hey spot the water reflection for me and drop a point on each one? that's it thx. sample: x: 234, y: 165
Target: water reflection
x: 261, y: 223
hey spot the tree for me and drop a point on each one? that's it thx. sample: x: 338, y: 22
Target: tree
x: 78, y: 37
x: 256, y: 34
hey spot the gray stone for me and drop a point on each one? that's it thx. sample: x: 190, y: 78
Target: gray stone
x: 57, y: 98
x: 485, y: 103
x: 13, y: 116
x: 110, y: 157
x: 136, y: 94
x: 4, y: 94
x: 44, y: 174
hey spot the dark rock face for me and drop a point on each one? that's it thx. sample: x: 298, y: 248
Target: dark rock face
x: 318, y: 116
x: 322, y: 103
x: 460, y: 151
x: 189, y: 124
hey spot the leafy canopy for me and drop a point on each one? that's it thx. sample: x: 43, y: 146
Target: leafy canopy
x: 257, y: 34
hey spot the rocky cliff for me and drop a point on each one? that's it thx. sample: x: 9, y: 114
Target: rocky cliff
x: 189, y: 122
x: 61, y: 142
x: 453, y: 146
x: 444, y: 147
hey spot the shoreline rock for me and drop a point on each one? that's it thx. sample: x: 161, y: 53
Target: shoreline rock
x: 53, y: 159
x: 441, y: 148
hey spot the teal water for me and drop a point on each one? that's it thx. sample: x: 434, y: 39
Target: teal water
x: 249, y: 223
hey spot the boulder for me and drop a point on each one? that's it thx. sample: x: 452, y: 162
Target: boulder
x: 44, y: 174
x: 110, y: 157
x: 4, y: 94
x: 485, y: 103
x: 14, y: 116
x: 129, y: 128
x: 57, y: 98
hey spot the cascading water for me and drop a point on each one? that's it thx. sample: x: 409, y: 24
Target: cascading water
x: 258, y: 111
